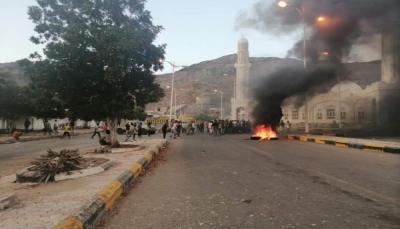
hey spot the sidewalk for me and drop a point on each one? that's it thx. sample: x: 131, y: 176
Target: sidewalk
x: 33, y: 136
x: 45, y: 205
x: 363, y: 144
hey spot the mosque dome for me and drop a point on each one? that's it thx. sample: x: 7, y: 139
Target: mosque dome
x: 346, y: 85
x: 243, y: 40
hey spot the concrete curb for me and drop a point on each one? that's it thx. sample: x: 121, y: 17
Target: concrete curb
x: 348, y: 142
x: 12, y: 140
x: 89, y: 214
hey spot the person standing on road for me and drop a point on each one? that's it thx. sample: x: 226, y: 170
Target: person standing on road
x: 72, y: 125
x: 27, y: 123
x: 214, y: 127
x: 164, y: 129
x: 47, y: 128
x: 96, y: 130
x: 55, y: 127
x: 67, y: 129
x: 288, y: 126
x: 148, y: 128
x: 139, y: 131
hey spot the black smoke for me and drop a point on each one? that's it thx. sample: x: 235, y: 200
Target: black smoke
x: 289, y: 82
x: 346, y: 22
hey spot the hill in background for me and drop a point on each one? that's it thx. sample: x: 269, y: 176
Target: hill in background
x: 201, y: 79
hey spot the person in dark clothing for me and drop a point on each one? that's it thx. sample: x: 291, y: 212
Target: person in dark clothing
x: 106, y: 140
x: 127, y: 128
x: 72, y: 125
x: 140, y: 130
x: 164, y: 129
x: 27, y: 123
x: 214, y: 126
x: 47, y: 128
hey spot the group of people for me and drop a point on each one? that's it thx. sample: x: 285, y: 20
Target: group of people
x: 67, y: 127
x: 178, y: 127
x: 214, y: 127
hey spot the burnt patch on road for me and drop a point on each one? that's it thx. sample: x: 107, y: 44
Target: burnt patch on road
x: 322, y: 181
x: 319, y: 180
x: 389, y: 218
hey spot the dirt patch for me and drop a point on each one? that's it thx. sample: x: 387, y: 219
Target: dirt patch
x: 92, y: 162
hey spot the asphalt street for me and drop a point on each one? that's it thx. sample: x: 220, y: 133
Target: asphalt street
x: 232, y: 182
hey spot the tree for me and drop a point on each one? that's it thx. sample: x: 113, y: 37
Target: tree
x: 15, y: 101
x: 100, y: 56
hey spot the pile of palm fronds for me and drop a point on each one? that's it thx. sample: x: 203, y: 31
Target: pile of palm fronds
x: 53, y: 163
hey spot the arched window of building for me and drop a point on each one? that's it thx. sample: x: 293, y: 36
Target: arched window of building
x: 360, y: 114
x: 295, y: 114
x: 319, y: 114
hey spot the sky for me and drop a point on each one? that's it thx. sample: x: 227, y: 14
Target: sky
x: 194, y: 31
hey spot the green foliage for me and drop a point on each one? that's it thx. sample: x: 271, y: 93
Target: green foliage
x: 15, y: 100
x: 100, y: 55
x: 204, y: 116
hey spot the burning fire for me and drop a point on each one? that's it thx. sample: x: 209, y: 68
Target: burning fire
x: 265, y: 132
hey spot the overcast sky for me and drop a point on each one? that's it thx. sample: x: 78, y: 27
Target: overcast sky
x: 194, y: 31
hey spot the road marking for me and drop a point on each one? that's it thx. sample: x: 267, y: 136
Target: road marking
x: 376, y: 194
x: 251, y: 148
x: 258, y: 150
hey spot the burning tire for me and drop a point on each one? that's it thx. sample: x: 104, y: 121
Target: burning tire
x: 263, y: 132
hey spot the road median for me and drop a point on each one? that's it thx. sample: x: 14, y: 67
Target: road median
x: 36, y: 137
x: 363, y: 144
x: 77, y: 203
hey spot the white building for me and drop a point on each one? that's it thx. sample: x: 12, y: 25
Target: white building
x: 369, y: 106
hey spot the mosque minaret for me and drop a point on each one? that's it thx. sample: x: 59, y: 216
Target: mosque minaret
x: 243, y: 65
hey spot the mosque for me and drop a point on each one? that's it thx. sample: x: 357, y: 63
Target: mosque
x: 346, y: 103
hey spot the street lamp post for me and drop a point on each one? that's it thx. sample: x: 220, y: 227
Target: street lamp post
x: 302, y: 14
x: 221, y: 103
x: 172, y: 87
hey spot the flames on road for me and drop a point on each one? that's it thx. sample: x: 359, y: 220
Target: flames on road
x: 264, y: 132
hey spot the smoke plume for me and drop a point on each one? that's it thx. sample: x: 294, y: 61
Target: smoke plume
x: 285, y: 83
x: 344, y: 24
x: 346, y: 21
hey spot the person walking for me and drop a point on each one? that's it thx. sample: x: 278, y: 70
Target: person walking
x: 96, y: 130
x: 47, y: 128
x: 55, y: 127
x: 164, y: 129
x: 127, y: 128
x: 67, y: 129
x: 27, y: 123
x: 174, y: 130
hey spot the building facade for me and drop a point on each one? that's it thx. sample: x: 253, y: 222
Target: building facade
x: 377, y: 104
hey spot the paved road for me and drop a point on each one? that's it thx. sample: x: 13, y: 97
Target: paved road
x: 16, y: 156
x: 230, y: 182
